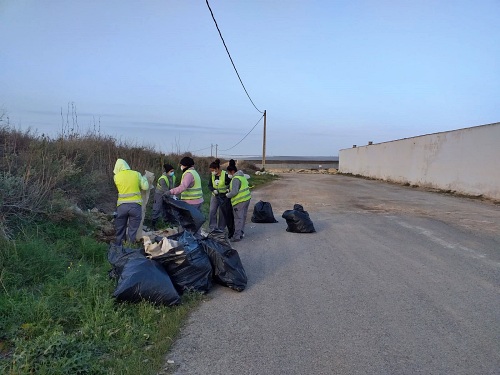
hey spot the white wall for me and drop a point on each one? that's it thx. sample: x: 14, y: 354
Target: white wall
x: 466, y: 160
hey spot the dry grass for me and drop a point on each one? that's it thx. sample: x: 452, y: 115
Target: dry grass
x: 44, y: 177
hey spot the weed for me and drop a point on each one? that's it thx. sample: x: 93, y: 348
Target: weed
x: 57, y: 315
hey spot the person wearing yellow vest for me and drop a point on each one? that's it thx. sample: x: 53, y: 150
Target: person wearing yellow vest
x: 240, y: 196
x: 129, y: 184
x: 165, y: 182
x: 190, y: 187
x: 218, y: 183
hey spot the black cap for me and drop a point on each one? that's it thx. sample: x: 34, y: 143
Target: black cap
x: 167, y: 167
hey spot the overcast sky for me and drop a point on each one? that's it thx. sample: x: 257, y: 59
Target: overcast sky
x: 329, y: 74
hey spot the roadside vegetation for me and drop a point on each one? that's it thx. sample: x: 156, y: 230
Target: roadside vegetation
x: 57, y: 315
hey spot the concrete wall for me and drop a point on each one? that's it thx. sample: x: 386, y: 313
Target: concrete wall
x: 466, y: 160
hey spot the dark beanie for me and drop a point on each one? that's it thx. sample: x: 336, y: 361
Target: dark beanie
x: 187, y: 162
x: 167, y: 167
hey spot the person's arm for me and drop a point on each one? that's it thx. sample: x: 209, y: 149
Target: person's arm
x: 228, y: 180
x: 234, y: 189
x: 210, y: 185
x: 186, y: 182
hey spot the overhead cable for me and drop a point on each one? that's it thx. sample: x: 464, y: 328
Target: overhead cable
x: 201, y: 149
x: 227, y: 149
x: 230, y: 58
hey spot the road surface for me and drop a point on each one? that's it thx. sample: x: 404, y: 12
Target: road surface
x: 396, y: 280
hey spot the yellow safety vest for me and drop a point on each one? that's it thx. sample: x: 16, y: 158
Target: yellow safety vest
x: 195, y: 191
x: 222, y: 187
x: 244, y: 192
x: 128, y: 185
x: 159, y: 187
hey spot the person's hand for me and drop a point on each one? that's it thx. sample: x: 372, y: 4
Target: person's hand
x: 167, y: 193
x: 215, y: 192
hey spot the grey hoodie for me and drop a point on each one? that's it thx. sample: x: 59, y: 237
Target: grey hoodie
x: 235, y: 184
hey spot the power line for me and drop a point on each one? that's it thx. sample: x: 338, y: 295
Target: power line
x: 230, y: 58
x: 227, y: 149
x: 201, y: 149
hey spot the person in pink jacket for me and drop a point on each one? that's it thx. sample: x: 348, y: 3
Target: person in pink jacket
x: 190, y: 190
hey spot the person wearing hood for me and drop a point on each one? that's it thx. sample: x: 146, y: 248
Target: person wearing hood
x: 190, y: 187
x: 129, y: 184
x: 239, y: 193
x: 164, y: 183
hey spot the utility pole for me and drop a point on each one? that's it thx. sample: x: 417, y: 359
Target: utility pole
x: 264, y: 145
x: 211, y: 149
x: 216, y: 146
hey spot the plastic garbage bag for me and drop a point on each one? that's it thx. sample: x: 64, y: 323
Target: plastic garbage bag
x: 184, y: 239
x: 226, y: 263
x: 226, y: 209
x: 298, y: 220
x: 143, y: 279
x: 118, y: 256
x: 187, y: 216
x: 187, y: 265
x: 140, y: 278
x: 263, y: 213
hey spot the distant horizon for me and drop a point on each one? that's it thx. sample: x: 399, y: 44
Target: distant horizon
x: 290, y: 157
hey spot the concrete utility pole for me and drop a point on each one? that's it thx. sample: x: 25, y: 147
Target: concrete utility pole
x: 264, y: 145
x: 216, y: 146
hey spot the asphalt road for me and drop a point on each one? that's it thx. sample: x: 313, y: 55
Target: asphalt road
x: 396, y: 280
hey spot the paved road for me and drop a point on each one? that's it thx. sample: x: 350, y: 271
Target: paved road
x: 396, y: 280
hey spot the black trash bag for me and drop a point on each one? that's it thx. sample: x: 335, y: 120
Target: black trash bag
x: 118, y: 256
x: 187, y: 216
x: 298, y: 220
x: 143, y: 279
x: 263, y: 213
x: 186, y: 240
x: 138, y: 280
x: 226, y: 209
x: 226, y: 263
x: 189, y: 268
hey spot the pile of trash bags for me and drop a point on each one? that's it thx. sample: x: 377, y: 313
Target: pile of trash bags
x: 176, y: 264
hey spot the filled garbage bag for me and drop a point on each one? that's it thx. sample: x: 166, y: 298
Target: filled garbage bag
x: 226, y: 209
x: 298, y: 220
x: 118, y: 256
x: 226, y: 263
x: 187, y: 216
x: 143, y: 279
x: 263, y: 213
x: 185, y: 239
x: 188, y: 267
x: 140, y: 279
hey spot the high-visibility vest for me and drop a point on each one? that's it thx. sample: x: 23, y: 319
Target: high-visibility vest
x: 195, y: 191
x: 163, y: 177
x: 128, y: 185
x: 244, y: 192
x: 222, y: 187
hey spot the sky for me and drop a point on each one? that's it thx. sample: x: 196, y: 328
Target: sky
x: 328, y: 74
